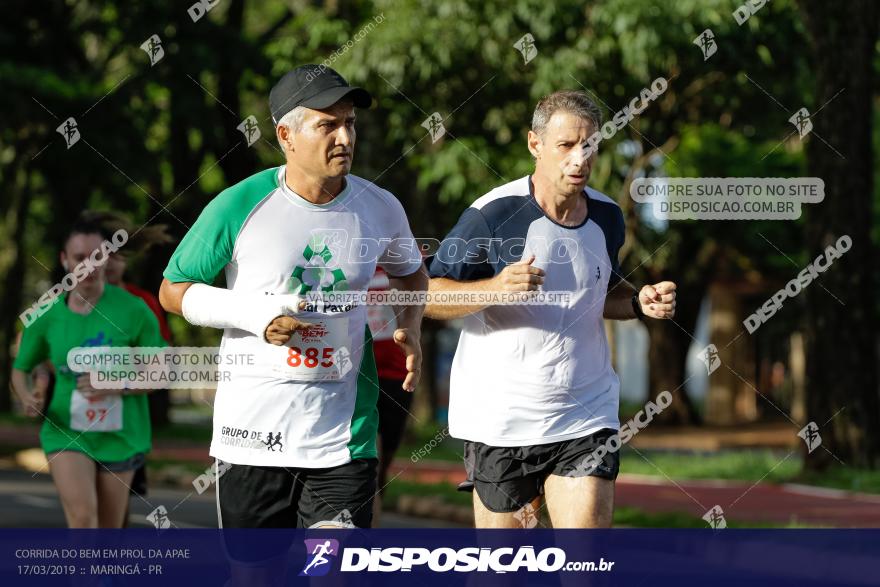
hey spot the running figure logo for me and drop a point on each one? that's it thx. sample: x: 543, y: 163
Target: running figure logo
x: 273, y: 441
x: 434, y: 125
x: 715, y: 518
x: 710, y: 358
x: 342, y: 358
x: 706, y: 43
x: 153, y: 48
x: 70, y: 131
x: 810, y: 435
x: 527, y: 516
x: 319, y: 556
x: 249, y: 129
x: 801, y: 121
x: 526, y: 46
x: 159, y: 518
x: 98, y: 340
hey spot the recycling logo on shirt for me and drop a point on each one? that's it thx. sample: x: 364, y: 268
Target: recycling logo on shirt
x: 318, y: 273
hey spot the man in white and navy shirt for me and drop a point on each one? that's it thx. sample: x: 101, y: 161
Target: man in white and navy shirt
x: 532, y: 390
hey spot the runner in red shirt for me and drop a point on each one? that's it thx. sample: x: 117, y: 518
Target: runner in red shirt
x: 393, y: 403
x: 140, y: 241
x: 116, y: 266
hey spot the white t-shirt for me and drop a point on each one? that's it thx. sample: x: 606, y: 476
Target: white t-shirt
x: 533, y: 374
x: 313, y: 405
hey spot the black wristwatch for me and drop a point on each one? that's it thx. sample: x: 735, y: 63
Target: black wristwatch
x: 637, y: 307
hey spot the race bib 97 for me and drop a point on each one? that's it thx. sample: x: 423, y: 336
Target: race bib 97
x: 102, y: 414
x: 317, y: 353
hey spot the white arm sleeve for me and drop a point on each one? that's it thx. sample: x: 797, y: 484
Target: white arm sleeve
x: 218, y: 307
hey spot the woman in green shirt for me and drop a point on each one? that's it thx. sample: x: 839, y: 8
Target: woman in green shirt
x: 94, y: 439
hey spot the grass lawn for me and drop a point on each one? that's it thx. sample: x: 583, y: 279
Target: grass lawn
x: 744, y: 465
x: 7, y: 419
x: 433, y: 443
x: 623, y: 516
x: 430, y: 442
x: 154, y: 464
x: 190, y: 433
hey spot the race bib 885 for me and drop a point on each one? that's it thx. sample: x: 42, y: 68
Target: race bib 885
x: 312, y: 354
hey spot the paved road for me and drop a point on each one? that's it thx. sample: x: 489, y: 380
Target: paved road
x: 750, y: 502
x: 742, y: 501
x: 30, y: 501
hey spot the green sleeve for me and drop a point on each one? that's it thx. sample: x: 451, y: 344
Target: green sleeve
x: 34, y: 348
x: 207, y: 247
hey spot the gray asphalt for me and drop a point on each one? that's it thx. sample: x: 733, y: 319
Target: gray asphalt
x: 29, y: 500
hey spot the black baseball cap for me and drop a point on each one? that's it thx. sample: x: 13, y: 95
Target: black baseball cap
x: 313, y: 86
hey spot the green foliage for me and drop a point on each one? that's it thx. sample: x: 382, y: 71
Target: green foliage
x: 160, y: 141
x: 742, y: 465
x: 623, y: 516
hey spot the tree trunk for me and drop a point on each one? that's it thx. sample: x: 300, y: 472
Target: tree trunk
x: 729, y: 399
x: 667, y: 355
x: 240, y: 162
x: 841, y: 377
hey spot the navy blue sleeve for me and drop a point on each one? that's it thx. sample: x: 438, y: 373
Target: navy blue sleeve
x: 618, y: 236
x: 610, y: 219
x: 466, y: 252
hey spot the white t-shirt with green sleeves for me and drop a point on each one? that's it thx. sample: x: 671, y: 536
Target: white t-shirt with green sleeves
x: 311, y: 403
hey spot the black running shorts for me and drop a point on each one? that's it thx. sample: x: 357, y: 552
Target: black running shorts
x: 285, y: 497
x: 507, y: 478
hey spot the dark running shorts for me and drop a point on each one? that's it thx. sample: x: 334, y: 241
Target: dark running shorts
x: 139, y: 481
x: 285, y: 497
x: 507, y: 478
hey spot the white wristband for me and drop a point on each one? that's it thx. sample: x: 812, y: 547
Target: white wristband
x: 217, y: 307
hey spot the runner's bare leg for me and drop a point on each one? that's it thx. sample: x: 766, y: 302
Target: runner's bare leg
x: 485, y: 518
x: 113, y: 495
x: 579, y: 502
x: 74, y: 477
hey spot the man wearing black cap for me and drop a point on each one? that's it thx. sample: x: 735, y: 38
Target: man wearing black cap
x: 295, y: 419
